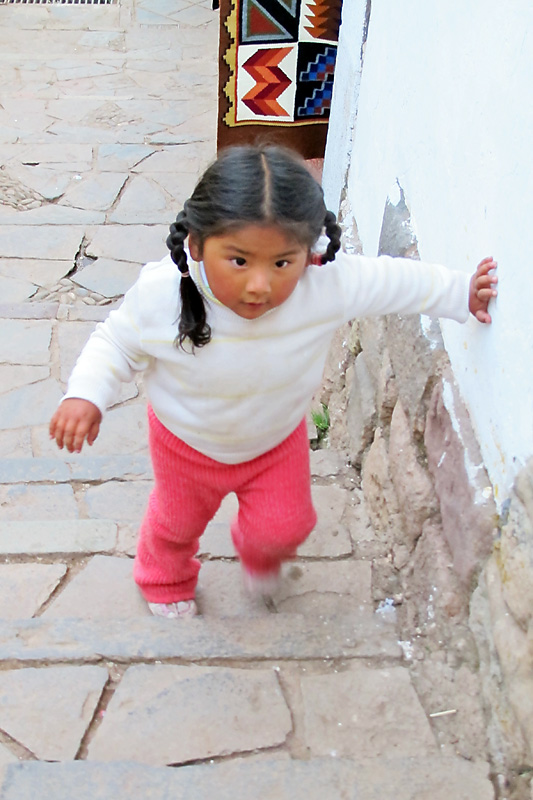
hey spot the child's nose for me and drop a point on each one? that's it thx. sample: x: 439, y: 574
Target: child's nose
x: 258, y: 281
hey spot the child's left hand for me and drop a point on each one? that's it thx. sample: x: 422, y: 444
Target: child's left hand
x: 482, y: 289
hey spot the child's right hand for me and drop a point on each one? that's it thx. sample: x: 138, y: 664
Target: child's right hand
x: 75, y: 421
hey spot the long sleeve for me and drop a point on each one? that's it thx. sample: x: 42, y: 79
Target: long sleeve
x: 385, y: 285
x: 250, y: 387
x: 112, y: 355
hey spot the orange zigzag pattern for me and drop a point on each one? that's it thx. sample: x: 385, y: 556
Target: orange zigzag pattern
x: 270, y: 82
x: 323, y: 19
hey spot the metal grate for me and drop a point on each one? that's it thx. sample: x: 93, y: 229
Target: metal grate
x: 59, y: 2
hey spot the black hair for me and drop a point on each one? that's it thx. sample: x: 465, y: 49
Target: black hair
x: 247, y: 185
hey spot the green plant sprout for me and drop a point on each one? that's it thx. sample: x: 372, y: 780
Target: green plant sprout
x: 321, y: 421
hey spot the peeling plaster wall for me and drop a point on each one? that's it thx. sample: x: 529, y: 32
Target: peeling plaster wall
x: 443, y: 107
x: 429, y: 155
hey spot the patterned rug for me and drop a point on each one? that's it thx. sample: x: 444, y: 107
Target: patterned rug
x: 277, y: 61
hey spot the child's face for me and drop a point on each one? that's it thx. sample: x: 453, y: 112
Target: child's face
x: 252, y: 269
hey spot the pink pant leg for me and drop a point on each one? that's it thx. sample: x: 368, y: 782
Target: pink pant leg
x: 276, y: 513
x: 180, y: 506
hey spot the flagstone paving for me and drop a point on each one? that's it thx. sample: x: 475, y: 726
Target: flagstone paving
x: 107, y: 118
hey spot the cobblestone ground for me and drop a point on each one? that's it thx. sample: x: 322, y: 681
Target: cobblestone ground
x: 107, y: 117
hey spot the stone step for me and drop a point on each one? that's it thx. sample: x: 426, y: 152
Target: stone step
x: 359, y: 634
x: 41, y: 514
x: 105, y: 589
x: 424, y: 778
x: 61, y: 536
x: 88, y: 468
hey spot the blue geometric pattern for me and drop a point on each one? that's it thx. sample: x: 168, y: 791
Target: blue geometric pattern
x: 322, y: 69
x: 314, y: 82
x: 319, y: 103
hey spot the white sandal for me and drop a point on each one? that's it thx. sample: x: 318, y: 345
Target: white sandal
x: 183, y: 609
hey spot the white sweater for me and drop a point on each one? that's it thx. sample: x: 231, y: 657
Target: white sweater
x: 249, y: 388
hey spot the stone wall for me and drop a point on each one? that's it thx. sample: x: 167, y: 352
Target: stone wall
x: 441, y: 553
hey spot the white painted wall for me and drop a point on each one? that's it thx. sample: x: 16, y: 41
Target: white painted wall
x: 445, y: 107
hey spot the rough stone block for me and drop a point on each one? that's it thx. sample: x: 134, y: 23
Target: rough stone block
x: 414, y: 339
x: 59, y: 242
x: 6, y: 757
x: 238, y: 779
x: 37, y: 537
x: 330, y: 536
x: 431, y: 778
x: 361, y: 413
x: 305, y: 588
x: 14, y: 444
x: 328, y: 463
x: 48, y: 710
x: 504, y: 733
x: 21, y: 502
x: 334, y: 389
x: 461, y: 482
x: 25, y: 341
x: 29, y: 405
x: 25, y: 587
x: 13, y: 376
x: 221, y: 592
x: 38, y: 271
x: 104, y: 589
x: 121, y: 157
x: 515, y: 550
x: 515, y: 653
x: 356, y: 634
x: 387, y: 390
x: 118, y: 500
x: 432, y: 588
x: 424, y: 778
x: 96, y: 191
x: 371, y: 333
x: 381, y: 502
x: 141, y: 244
x: 106, y: 468
x: 109, y: 278
x: 72, y: 337
x: 324, y: 587
x: 31, y: 470
x: 412, y: 484
x: 173, y: 714
x: 141, y: 201
x: 369, y: 713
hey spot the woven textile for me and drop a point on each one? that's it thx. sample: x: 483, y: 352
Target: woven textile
x: 277, y: 61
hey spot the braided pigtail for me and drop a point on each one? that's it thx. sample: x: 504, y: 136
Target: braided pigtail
x: 333, y: 232
x: 192, y: 323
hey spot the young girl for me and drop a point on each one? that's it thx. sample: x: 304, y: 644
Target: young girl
x: 233, y: 344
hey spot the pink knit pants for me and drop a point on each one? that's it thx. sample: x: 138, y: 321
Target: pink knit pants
x: 275, y: 510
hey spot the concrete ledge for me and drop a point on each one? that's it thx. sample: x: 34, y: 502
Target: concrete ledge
x: 40, y: 537
x: 86, y: 468
x: 277, y: 636
x: 268, y: 779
